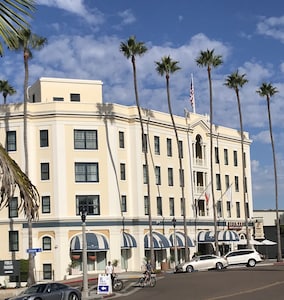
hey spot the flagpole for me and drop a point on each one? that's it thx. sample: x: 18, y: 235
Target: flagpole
x: 192, y: 96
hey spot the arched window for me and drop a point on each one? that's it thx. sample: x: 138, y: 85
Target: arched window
x: 46, y: 243
x: 198, y: 146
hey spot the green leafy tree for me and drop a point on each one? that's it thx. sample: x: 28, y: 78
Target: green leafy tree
x: 27, y: 42
x: 6, y: 89
x: 236, y: 81
x: 209, y: 60
x: 130, y: 49
x: 267, y: 90
x: 13, y: 19
x: 165, y: 67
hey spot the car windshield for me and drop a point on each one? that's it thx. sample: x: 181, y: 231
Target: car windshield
x: 35, y: 289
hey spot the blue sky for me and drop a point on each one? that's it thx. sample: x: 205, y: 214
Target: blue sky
x: 84, y: 38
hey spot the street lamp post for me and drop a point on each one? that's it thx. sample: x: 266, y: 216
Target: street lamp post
x: 84, y: 258
x: 175, y: 241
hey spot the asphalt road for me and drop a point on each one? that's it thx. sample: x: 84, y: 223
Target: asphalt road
x: 261, y: 283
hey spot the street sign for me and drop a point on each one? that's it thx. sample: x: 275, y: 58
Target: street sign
x: 104, y: 284
x: 34, y: 250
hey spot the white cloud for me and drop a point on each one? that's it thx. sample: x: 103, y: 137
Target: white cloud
x: 273, y: 27
x: 127, y: 17
x: 76, y: 7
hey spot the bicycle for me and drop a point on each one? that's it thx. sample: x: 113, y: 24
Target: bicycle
x: 117, y: 283
x: 148, y: 279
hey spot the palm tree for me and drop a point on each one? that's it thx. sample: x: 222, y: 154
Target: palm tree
x: 166, y: 67
x: 235, y: 81
x: 130, y: 49
x: 208, y: 59
x: 267, y: 90
x: 13, y: 13
x: 28, y: 41
x: 6, y: 89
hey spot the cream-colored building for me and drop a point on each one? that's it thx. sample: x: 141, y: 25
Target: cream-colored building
x: 87, y: 153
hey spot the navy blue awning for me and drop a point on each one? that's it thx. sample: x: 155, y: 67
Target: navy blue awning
x: 159, y: 241
x: 181, y: 240
x: 127, y: 241
x: 223, y: 236
x: 95, y: 242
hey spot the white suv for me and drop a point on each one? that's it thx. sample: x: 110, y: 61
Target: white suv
x: 248, y: 257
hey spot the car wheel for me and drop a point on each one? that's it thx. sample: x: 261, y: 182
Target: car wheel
x: 73, y: 296
x: 189, y: 269
x: 251, y: 263
x: 219, y: 266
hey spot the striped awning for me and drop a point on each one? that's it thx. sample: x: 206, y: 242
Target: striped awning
x: 95, y: 242
x: 181, y: 240
x: 127, y: 241
x: 223, y: 236
x: 159, y: 240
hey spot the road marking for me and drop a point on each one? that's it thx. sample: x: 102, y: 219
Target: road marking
x: 247, y: 291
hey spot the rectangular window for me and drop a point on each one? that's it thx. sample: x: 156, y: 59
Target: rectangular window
x: 181, y: 177
x: 227, y: 181
x: 218, y: 182
x: 172, y: 206
x: 228, y: 209
x: 43, y: 138
x: 45, y: 204
x: 122, y: 172
x: 121, y: 139
x: 75, y: 97
x: 146, y: 205
x: 247, y: 209
x: 46, y: 243
x: 245, y: 160
x: 181, y: 206
x: 226, y: 158
x: 237, y: 184
x: 159, y: 206
x: 235, y: 158
x: 157, y: 145
x: 13, y: 240
x: 217, y: 155
x: 11, y: 142
x: 85, y: 139
x: 123, y: 203
x: 158, y: 175
x: 44, y: 171
x: 219, y: 209
x: 13, y: 207
x: 246, y: 185
x: 86, y: 172
x: 238, y: 209
x: 170, y: 177
x: 145, y: 174
x: 91, y: 203
x: 58, y: 99
x: 47, y: 271
x: 144, y: 143
x: 180, y: 149
x: 169, y: 147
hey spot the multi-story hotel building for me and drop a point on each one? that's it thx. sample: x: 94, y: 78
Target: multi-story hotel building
x: 87, y: 153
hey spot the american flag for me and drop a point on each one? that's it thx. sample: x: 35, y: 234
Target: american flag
x: 191, y: 98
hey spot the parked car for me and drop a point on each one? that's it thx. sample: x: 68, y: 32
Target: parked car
x: 248, y: 257
x: 44, y: 291
x: 203, y: 262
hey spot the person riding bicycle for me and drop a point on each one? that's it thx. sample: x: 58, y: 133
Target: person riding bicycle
x: 148, y: 269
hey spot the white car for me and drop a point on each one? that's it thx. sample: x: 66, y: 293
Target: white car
x: 203, y: 262
x: 248, y: 257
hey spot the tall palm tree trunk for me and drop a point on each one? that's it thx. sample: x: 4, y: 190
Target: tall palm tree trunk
x: 279, y: 249
x: 152, y: 254
x: 211, y: 164
x: 243, y: 171
x: 181, y: 175
x: 31, y: 276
